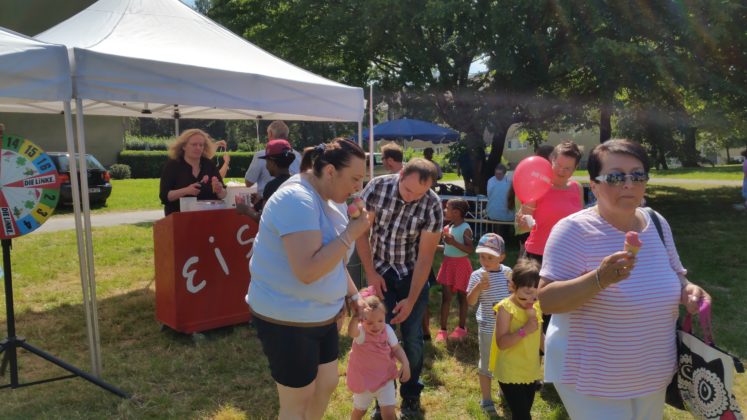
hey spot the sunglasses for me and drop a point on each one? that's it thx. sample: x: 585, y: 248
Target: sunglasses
x: 619, y: 178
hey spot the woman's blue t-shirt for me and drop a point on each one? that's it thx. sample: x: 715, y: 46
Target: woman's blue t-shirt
x: 275, y: 292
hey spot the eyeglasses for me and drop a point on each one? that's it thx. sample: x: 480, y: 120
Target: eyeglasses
x: 619, y: 178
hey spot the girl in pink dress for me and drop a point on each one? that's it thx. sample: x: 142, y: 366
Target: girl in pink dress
x: 371, y: 366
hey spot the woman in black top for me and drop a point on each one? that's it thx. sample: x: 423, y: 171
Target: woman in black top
x: 190, y: 172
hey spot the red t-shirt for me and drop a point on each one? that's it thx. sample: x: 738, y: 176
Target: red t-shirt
x: 552, y: 207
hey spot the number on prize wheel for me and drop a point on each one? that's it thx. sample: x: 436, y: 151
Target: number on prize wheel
x: 29, y: 187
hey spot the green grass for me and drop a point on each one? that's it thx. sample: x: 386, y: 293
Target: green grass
x: 717, y: 173
x: 225, y: 376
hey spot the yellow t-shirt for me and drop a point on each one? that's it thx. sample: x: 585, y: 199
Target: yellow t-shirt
x: 519, y: 364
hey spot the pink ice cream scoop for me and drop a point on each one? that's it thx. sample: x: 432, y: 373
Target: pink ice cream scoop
x: 632, y: 242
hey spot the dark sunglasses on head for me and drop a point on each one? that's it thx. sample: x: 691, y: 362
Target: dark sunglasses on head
x: 618, y: 178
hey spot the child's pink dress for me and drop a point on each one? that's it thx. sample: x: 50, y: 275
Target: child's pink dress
x: 371, y: 364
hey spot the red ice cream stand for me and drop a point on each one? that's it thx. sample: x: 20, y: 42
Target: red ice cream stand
x: 202, y: 269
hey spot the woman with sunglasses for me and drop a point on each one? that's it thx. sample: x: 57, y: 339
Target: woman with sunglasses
x: 610, y: 348
x: 564, y: 198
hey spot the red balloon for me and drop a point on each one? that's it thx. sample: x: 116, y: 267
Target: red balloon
x: 532, y: 178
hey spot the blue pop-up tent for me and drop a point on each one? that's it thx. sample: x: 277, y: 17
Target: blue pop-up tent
x: 409, y: 129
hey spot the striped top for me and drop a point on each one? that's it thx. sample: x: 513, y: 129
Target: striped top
x: 621, y: 343
x: 497, y: 291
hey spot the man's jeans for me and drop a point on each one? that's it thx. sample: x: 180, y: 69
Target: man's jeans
x: 412, y: 328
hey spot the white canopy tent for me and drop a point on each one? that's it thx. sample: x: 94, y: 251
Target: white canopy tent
x: 152, y: 57
x: 161, y: 59
x: 34, y: 72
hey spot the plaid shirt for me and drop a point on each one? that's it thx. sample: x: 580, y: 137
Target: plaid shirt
x: 395, y: 234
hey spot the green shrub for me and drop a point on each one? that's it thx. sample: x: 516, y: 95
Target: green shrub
x: 148, y: 164
x: 120, y: 171
x: 146, y: 143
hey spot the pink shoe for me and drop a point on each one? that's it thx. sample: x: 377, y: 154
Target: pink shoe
x: 458, y: 334
x: 441, y: 336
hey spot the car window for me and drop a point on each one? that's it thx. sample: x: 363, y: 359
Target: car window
x: 91, y: 162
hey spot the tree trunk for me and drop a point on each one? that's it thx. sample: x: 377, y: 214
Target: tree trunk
x: 689, y: 150
x: 605, y: 122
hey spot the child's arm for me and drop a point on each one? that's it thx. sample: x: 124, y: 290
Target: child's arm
x: 503, y: 338
x: 353, y: 330
x: 466, y: 246
x: 399, y: 353
x: 474, y: 288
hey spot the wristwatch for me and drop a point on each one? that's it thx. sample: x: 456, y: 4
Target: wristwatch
x: 521, y: 332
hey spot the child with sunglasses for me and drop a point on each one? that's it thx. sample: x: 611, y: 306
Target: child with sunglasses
x: 514, y: 355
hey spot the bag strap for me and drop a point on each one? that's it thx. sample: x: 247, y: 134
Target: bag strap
x: 704, y: 311
x: 657, y: 223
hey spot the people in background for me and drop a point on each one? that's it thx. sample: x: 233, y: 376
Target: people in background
x: 498, y: 209
x: 455, y: 268
x: 299, y: 280
x: 564, y: 198
x: 257, y: 172
x: 428, y: 155
x: 487, y: 286
x: 397, y: 256
x: 279, y: 156
x: 392, y: 157
x: 372, y: 366
x: 610, y: 349
x: 519, y: 339
x: 190, y: 171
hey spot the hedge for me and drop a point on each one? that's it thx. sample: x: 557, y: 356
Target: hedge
x: 148, y: 164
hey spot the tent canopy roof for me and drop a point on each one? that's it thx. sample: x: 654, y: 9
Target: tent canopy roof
x: 411, y: 129
x: 155, y: 57
x: 31, y: 70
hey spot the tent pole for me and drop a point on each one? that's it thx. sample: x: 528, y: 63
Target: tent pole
x: 360, y: 134
x: 78, y: 228
x: 370, y: 133
x: 87, y: 230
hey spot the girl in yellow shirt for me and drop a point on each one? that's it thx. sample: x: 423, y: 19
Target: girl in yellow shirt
x: 515, y: 357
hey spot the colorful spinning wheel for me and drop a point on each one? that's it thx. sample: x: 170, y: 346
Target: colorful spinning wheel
x: 29, y: 187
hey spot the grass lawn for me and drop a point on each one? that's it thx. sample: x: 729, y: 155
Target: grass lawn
x: 225, y: 376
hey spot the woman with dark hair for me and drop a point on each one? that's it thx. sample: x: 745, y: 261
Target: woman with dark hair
x: 610, y: 346
x: 564, y: 198
x: 190, y: 171
x: 299, y: 280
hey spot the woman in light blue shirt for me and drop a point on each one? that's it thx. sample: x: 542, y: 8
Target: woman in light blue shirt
x: 299, y: 280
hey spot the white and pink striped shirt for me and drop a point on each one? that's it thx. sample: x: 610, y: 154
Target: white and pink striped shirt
x: 620, y: 344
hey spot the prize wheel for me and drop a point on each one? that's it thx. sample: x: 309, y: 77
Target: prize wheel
x: 29, y: 187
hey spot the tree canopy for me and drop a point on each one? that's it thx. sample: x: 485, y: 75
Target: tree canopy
x: 665, y: 73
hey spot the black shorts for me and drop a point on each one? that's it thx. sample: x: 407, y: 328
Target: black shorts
x: 295, y: 353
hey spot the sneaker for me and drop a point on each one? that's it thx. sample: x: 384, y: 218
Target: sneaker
x: 410, y: 408
x: 488, y: 407
x: 458, y: 334
x: 441, y: 336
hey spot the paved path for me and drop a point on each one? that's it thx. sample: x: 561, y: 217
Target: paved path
x: 56, y: 223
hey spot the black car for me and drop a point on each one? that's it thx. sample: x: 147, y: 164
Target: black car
x: 99, y: 187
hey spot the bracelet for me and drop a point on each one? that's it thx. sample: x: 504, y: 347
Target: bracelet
x: 596, y: 277
x: 521, y: 332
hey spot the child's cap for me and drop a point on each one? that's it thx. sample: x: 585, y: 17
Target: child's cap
x: 492, y: 244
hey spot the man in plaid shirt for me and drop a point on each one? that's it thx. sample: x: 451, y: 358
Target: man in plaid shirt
x: 398, y: 254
